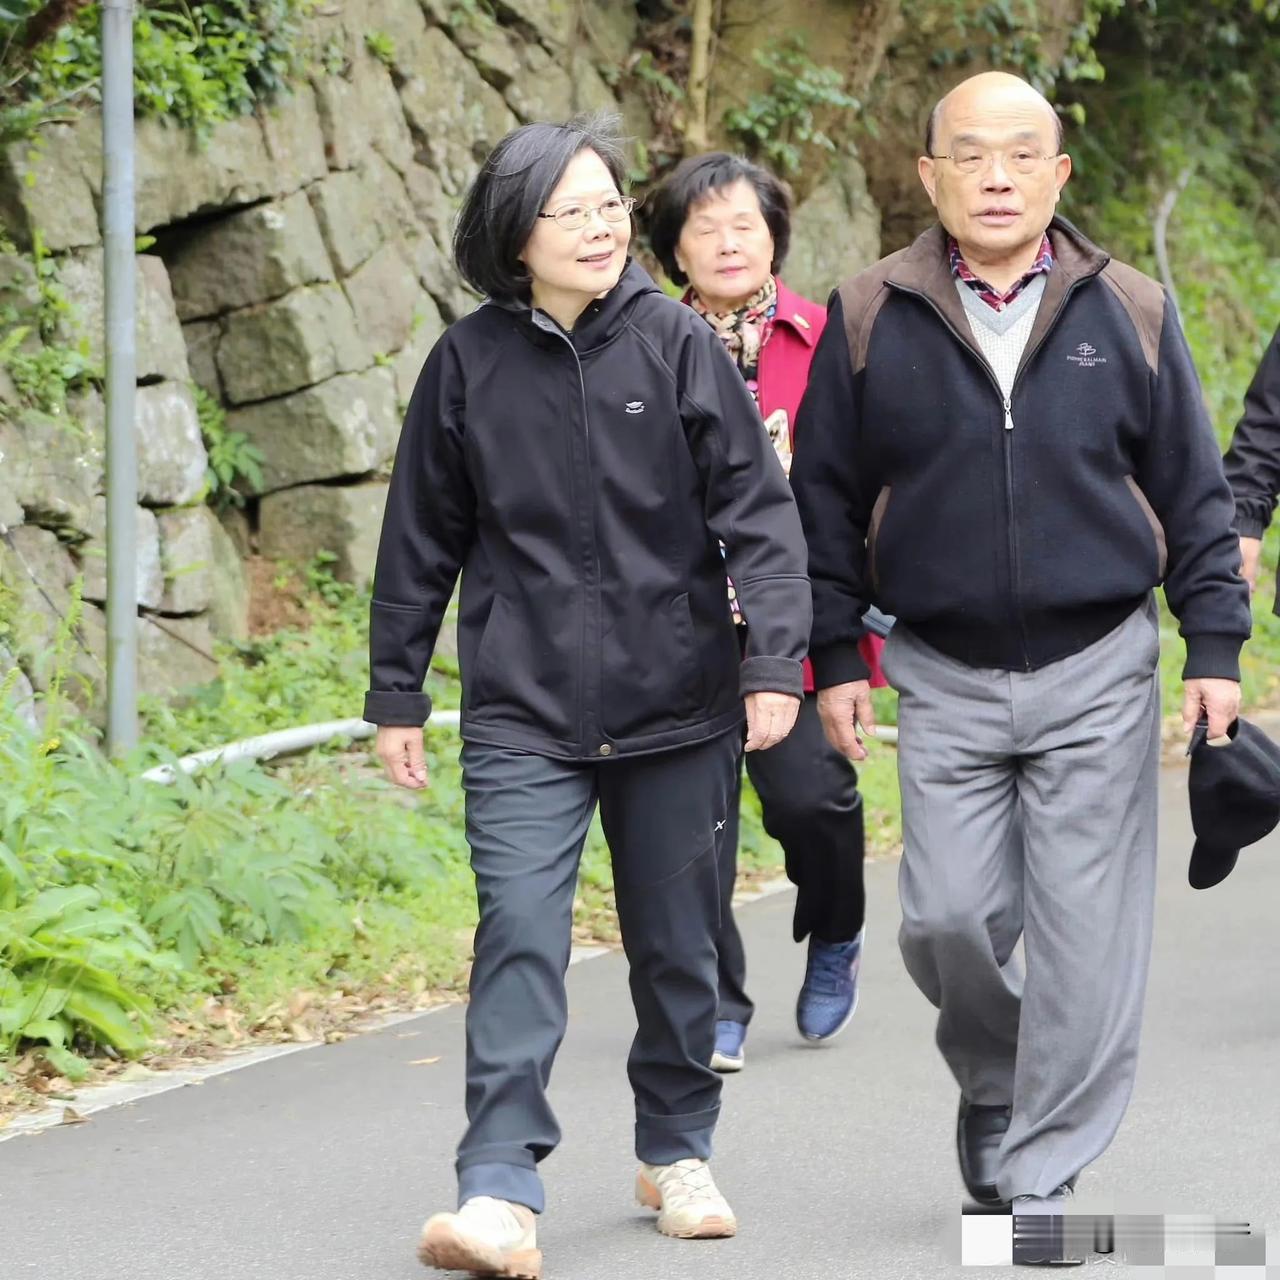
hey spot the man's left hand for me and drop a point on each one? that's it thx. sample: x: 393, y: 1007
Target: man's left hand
x: 1218, y: 699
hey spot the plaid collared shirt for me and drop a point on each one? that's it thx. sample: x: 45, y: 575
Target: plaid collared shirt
x: 996, y: 300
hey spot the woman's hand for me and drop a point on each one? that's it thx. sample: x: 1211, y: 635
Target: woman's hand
x: 403, y: 756
x: 842, y: 708
x: 769, y: 719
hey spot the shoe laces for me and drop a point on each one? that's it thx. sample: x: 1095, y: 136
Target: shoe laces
x: 683, y: 1182
x: 491, y: 1218
x: 831, y: 966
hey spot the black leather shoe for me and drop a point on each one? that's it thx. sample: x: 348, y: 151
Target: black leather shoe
x: 979, y: 1132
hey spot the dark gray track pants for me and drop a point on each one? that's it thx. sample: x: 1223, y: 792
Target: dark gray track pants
x: 527, y: 819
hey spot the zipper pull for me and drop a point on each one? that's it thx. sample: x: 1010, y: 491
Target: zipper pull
x: 1008, y: 414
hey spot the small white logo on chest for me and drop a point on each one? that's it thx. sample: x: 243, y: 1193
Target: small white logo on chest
x: 635, y: 406
x: 1087, y: 356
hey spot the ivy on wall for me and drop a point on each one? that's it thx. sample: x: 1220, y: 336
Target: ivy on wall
x: 195, y: 63
x: 790, y: 119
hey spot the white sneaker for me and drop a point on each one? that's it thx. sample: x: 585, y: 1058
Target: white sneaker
x: 689, y: 1205
x: 487, y: 1237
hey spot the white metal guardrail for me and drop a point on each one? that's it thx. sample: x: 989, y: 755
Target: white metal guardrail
x: 302, y: 737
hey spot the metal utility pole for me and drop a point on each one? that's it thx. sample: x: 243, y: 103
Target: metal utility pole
x: 122, y: 466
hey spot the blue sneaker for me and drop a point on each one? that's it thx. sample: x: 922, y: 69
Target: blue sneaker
x: 729, y: 1055
x: 830, y: 992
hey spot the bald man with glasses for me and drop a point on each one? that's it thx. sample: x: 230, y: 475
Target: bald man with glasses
x: 1003, y: 444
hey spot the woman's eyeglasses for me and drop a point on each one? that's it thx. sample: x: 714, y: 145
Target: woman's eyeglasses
x: 573, y: 217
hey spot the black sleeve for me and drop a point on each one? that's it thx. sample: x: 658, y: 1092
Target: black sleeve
x: 749, y: 507
x: 427, y: 530
x: 1181, y: 474
x: 1253, y: 461
x: 835, y: 508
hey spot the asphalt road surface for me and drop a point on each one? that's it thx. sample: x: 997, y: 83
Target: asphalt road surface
x: 839, y: 1161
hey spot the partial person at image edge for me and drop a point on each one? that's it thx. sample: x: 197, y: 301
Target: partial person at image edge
x: 1253, y: 464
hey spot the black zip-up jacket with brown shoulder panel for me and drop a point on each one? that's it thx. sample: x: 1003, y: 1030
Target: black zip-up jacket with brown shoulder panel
x: 1011, y: 534
x: 582, y: 483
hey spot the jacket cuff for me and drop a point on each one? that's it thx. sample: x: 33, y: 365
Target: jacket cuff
x: 771, y: 675
x: 838, y: 664
x: 382, y: 706
x: 1212, y: 656
x: 1248, y: 523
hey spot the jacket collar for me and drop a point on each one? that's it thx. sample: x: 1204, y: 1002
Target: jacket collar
x: 791, y: 313
x: 599, y: 323
x: 925, y: 269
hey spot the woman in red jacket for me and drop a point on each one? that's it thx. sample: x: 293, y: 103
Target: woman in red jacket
x: 721, y: 225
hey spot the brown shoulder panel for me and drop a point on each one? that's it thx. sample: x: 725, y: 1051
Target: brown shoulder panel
x: 861, y: 298
x: 1143, y: 299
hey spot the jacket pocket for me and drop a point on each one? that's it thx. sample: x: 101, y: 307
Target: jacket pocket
x: 486, y: 652
x: 1153, y: 521
x: 692, y: 684
x: 873, y: 533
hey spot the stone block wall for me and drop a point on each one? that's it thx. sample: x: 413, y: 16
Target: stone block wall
x: 300, y: 275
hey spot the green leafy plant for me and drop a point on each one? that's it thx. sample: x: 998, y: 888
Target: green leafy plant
x: 195, y: 63
x: 382, y: 46
x: 646, y: 69
x: 231, y: 456
x: 116, y: 894
x: 44, y: 366
x: 794, y: 111
x: 333, y: 60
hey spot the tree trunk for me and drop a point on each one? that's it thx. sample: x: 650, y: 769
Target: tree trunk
x: 695, y: 129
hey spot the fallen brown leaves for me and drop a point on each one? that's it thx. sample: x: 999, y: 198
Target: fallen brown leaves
x: 212, y: 1030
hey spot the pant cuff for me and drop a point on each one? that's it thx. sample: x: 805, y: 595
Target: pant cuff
x: 1019, y: 1178
x: 502, y: 1181
x: 666, y: 1139
x: 732, y: 1011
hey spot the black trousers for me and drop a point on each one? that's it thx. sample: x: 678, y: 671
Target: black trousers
x: 527, y: 817
x: 809, y: 797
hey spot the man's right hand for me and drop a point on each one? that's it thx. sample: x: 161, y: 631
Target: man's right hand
x: 842, y: 708
x: 1250, y: 555
x: 403, y: 755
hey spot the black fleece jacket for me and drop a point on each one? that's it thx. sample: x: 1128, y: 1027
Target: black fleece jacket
x: 582, y: 484
x: 1253, y: 461
x: 1010, y: 535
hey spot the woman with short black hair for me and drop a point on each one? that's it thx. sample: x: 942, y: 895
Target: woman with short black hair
x: 722, y: 225
x: 579, y: 447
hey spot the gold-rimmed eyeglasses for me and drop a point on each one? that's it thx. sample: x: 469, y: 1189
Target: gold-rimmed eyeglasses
x: 976, y: 159
x: 573, y: 217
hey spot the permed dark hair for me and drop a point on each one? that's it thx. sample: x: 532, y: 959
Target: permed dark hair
x: 501, y: 208
x: 692, y: 181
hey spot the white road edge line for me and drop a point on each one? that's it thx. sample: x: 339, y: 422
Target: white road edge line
x: 95, y: 1098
